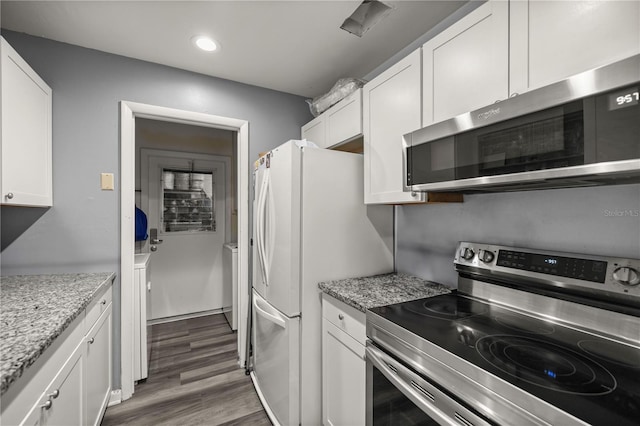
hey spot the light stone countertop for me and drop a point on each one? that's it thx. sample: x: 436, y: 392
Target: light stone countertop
x: 34, y: 310
x: 379, y: 290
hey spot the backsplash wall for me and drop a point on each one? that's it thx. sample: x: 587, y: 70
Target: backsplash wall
x: 599, y: 221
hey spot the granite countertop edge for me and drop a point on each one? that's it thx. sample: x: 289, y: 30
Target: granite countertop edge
x: 364, y: 293
x: 19, y: 362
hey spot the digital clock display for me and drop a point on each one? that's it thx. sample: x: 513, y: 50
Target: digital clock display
x: 546, y: 261
x: 624, y: 98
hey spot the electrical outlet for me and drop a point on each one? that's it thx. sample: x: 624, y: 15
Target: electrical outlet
x: 106, y: 181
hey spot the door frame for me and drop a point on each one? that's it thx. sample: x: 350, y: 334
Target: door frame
x: 129, y: 111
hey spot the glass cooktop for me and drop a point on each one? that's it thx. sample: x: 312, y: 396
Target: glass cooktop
x: 592, y: 378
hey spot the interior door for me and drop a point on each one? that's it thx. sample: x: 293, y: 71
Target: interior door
x: 187, y: 207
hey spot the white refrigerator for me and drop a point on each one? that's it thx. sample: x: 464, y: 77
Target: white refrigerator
x: 310, y: 225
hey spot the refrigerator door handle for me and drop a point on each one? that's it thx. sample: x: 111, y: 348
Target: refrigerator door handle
x: 260, y: 226
x: 274, y: 318
x: 271, y: 225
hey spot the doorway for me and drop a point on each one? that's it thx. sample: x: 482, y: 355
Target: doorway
x: 129, y: 112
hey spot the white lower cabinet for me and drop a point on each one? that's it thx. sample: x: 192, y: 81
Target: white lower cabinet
x: 98, y: 368
x: 343, y: 364
x: 70, y: 384
x: 61, y: 403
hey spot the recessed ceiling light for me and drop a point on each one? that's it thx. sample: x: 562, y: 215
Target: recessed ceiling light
x: 205, y: 43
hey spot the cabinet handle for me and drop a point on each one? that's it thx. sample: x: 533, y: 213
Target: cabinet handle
x: 47, y: 405
x: 9, y: 196
x: 103, y: 302
x: 91, y: 340
x: 514, y: 94
x: 54, y: 394
x: 340, y: 317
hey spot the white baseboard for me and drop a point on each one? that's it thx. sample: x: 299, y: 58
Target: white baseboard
x: 186, y: 316
x: 115, y: 397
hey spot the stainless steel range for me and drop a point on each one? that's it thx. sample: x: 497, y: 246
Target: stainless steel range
x: 530, y: 337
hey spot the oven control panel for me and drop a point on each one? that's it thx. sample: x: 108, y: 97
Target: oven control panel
x: 595, y: 274
x: 569, y: 267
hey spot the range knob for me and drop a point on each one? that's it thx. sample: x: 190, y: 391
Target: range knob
x: 467, y: 253
x: 627, y: 276
x: 485, y: 255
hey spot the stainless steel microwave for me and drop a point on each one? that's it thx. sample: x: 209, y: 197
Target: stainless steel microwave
x: 582, y: 131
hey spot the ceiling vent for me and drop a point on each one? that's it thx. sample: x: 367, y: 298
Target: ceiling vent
x: 368, y: 13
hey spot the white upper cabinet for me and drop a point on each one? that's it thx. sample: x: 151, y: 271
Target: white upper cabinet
x: 465, y: 67
x: 315, y: 131
x: 344, y: 120
x: 391, y: 108
x: 553, y: 40
x: 26, y: 133
x: 505, y: 48
x: 340, y: 123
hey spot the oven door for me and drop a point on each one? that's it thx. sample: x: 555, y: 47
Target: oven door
x: 397, y: 395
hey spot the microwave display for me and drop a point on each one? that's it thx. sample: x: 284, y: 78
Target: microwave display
x: 624, y: 98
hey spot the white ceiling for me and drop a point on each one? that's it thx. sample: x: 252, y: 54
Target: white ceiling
x: 290, y: 46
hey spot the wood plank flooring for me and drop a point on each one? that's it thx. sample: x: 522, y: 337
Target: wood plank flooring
x: 194, y: 379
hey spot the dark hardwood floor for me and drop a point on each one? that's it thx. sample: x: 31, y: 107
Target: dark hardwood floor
x: 194, y: 379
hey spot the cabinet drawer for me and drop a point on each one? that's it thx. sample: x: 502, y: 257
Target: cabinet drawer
x: 345, y: 317
x: 97, y: 306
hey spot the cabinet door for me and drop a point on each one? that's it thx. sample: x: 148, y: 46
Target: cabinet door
x: 26, y: 133
x: 553, y: 40
x: 391, y: 108
x: 344, y: 120
x: 343, y: 377
x: 466, y: 66
x: 98, y: 364
x: 314, y: 131
x: 66, y: 394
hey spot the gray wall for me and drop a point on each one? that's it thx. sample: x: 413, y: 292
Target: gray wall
x: 81, y: 232
x: 600, y: 221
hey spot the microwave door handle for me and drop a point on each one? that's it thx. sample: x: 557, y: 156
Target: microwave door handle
x: 412, y: 390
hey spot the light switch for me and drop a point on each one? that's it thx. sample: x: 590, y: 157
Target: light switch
x: 106, y: 181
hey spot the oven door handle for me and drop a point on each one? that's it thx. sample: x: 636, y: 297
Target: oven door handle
x: 421, y: 393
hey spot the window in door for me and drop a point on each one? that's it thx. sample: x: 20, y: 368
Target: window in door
x: 188, y: 201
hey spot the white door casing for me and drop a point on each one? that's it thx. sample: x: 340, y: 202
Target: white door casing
x: 129, y: 111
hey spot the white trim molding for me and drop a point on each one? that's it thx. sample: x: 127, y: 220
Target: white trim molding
x: 129, y: 111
